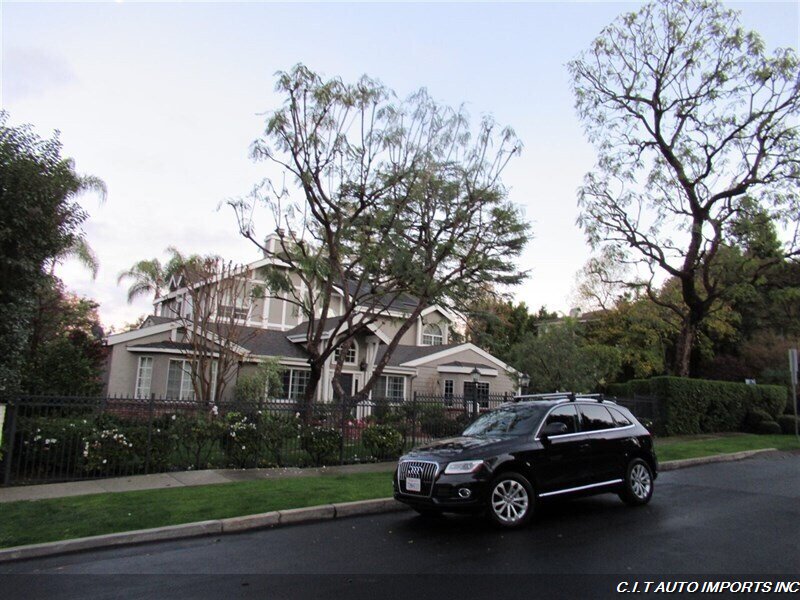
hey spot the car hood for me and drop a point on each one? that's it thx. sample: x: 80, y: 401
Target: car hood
x: 460, y: 447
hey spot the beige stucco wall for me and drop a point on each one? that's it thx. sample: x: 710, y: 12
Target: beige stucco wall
x: 430, y: 381
x: 123, y: 367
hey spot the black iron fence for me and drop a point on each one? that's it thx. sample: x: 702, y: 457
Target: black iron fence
x: 48, y: 439
x: 648, y: 409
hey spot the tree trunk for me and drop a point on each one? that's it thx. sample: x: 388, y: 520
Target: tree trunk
x: 685, y: 345
x: 310, y: 394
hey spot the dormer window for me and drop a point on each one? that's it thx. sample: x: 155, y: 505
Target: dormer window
x: 432, y: 335
x: 350, y: 358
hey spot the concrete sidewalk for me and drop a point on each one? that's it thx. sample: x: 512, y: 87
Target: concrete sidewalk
x: 174, y: 480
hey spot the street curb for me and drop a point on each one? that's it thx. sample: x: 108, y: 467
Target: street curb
x: 205, y: 528
x: 714, y: 458
x: 273, y: 519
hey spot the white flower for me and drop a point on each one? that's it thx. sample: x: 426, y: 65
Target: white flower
x: 244, y: 447
x: 105, y: 461
x: 214, y: 410
x: 174, y: 417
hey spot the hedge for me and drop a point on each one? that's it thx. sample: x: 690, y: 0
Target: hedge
x: 690, y: 406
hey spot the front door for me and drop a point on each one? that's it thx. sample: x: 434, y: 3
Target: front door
x: 346, y: 381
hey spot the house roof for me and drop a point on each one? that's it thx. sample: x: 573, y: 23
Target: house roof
x: 269, y: 342
x: 155, y: 320
x: 165, y: 345
x: 403, y: 354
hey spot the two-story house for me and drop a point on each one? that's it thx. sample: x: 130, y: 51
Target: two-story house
x: 151, y: 360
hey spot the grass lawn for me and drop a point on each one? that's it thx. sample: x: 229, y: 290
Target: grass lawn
x: 31, y: 522
x: 679, y: 447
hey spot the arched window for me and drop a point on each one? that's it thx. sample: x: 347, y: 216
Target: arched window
x: 432, y: 335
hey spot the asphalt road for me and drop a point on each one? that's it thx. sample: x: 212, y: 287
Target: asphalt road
x: 722, y: 519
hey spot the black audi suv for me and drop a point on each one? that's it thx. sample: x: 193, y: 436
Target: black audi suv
x: 536, y: 447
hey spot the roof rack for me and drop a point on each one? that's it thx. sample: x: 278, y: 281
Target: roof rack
x: 571, y: 396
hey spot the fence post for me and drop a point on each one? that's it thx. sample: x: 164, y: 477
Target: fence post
x: 344, y: 433
x: 150, y: 407
x: 11, y: 407
x: 414, y: 420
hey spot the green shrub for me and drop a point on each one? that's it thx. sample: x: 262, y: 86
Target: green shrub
x: 754, y: 418
x: 690, y: 406
x: 196, y: 436
x: 322, y: 444
x: 435, y: 422
x: 108, y: 450
x: 52, y: 445
x: 787, y: 423
x: 382, y: 441
x: 768, y: 428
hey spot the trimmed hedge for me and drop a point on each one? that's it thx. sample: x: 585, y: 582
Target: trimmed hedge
x: 768, y: 428
x: 690, y: 406
x: 787, y: 423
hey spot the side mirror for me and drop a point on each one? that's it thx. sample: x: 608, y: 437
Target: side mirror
x: 552, y: 429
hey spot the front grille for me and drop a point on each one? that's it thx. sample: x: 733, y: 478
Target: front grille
x: 424, y: 470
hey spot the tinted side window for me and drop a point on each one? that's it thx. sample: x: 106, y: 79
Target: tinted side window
x: 621, y: 420
x: 594, y: 418
x: 566, y: 415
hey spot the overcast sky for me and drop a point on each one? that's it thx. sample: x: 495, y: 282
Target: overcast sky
x: 161, y: 100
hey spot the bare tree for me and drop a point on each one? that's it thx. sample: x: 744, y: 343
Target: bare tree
x: 383, y: 199
x: 212, y: 313
x: 695, y: 125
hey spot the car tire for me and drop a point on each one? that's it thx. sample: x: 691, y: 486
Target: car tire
x: 638, y: 486
x: 511, y: 500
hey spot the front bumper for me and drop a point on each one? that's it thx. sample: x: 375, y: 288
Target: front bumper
x: 444, y: 494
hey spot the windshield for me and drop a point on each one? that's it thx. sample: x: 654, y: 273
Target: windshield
x: 513, y: 420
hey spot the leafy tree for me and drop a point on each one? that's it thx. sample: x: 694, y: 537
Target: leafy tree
x: 695, y: 126
x: 266, y: 382
x: 65, y: 355
x: 40, y: 219
x: 496, y: 325
x: 559, y: 359
x: 382, y: 200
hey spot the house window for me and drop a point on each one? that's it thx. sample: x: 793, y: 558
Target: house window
x: 392, y: 387
x: 144, y: 376
x: 295, y: 382
x: 236, y: 308
x: 479, y: 390
x: 179, y: 380
x: 352, y: 355
x: 432, y: 335
x: 447, y: 389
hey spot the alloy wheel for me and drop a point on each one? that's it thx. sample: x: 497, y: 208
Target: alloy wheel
x: 510, y: 501
x: 640, y: 481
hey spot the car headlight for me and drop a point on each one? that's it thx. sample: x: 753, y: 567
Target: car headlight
x: 463, y: 466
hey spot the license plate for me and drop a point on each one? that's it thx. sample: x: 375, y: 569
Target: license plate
x: 413, y: 484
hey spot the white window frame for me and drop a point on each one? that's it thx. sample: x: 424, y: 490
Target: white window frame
x: 290, y: 391
x: 430, y: 339
x: 144, y: 372
x: 353, y: 348
x: 186, y: 380
x: 385, y: 390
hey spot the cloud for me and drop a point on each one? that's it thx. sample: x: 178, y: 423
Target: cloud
x: 33, y: 71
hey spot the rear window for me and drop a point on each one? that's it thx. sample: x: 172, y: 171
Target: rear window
x: 619, y: 418
x: 595, y: 418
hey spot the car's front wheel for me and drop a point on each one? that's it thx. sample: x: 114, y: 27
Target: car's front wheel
x: 511, y: 500
x: 638, y: 486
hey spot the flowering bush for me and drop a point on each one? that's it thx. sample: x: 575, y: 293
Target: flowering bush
x: 257, y: 439
x: 52, y: 445
x: 353, y: 429
x: 382, y: 442
x: 322, y: 444
x: 109, y: 450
